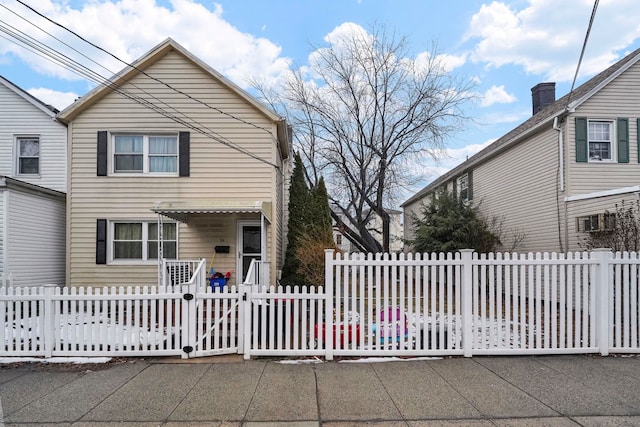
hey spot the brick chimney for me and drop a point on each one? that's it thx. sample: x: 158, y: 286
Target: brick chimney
x: 542, y: 95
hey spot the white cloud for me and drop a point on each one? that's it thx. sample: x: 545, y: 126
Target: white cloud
x: 59, y: 100
x: 545, y: 37
x: 497, y: 95
x: 129, y: 28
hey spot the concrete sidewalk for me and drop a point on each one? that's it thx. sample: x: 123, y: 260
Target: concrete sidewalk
x: 224, y: 391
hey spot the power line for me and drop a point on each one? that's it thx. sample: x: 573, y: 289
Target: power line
x: 48, y: 53
x: 584, y: 46
x: 142, y: 71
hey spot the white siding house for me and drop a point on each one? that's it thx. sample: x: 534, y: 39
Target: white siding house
x: 32, y: 190
x: 574, y: 159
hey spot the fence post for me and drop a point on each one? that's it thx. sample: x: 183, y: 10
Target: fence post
x: 328, y: 307
x: 467, y: 301
x: 48, y: 323
x: 602, y: 299
x: 188, y: 318
x: 244, y: 314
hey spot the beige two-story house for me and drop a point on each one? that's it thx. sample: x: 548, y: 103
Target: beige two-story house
x: 169, y: 159
x: 559, y: 175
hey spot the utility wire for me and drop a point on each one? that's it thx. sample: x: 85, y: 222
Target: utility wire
x: 584, y: 46
x: 60, y: 59
x: 142, y: 71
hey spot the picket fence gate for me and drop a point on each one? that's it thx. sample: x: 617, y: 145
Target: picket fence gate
x: 460, y: 303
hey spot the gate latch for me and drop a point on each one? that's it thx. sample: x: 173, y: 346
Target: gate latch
x: 187, y: 297
x: 187, y: 349
x: 244, y: 296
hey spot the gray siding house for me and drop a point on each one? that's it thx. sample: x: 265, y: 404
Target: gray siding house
x: 32, y: 190
x: 557, y: 176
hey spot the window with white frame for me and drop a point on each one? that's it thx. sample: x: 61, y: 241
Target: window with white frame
x: 601, y: 137
x: 596, y: 222
x: 463, y: 187
x: 145, y: 154
x: 28, y: 150
x: 139, y: 241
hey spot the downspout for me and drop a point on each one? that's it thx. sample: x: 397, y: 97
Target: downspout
x: 263, y: 248
x: 559, y: 179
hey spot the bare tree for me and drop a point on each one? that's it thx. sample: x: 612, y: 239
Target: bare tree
x: 364, y: 115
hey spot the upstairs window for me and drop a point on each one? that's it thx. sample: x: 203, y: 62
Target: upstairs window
x: 463, y: 187
x: 145, y: 154
x: 601, y: 147
x: 602, y: 140
x: 28, y: 149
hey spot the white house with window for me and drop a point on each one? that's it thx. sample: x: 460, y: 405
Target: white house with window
x: 560, y: 174
x: 196, y: 170
x: 32, y: 189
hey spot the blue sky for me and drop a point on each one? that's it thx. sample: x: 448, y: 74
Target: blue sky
x: 504, y: 47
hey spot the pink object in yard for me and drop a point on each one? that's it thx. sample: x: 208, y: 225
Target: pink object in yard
x: 391, y: 319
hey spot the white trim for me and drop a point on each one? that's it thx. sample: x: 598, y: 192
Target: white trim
x: 241, y: 223
x: 28, y: 97
x: 605, y: 193
x: 145, y: 260
x: 573, y: 105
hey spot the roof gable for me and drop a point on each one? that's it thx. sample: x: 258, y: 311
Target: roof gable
x: 138, y: 67
x: 46, y: 108
x: 561, y: 106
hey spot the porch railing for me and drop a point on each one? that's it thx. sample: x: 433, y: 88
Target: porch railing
x: 178, y: 272
x: 258, y: 273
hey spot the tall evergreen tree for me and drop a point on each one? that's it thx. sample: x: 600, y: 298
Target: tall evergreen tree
x: 320, y: 214
x: 299, y: 197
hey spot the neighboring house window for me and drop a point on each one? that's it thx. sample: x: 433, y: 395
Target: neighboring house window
x: 145, y: 154
x: 596, y: 222
x: 602, y: 140
x: 139, y: 241
x: 339, y: 239
x: 462, y: 185
x: 28, y: 149
x: 601, y: 147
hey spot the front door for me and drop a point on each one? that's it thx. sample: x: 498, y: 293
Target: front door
x: 249, y: 245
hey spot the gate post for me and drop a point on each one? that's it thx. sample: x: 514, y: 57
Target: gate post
x: 328, y: 314
x: 246, y: 326
x: 467, y: 301
x: 602, y: 299
x: 188, y: 320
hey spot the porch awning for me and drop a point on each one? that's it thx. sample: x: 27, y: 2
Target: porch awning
x: 182, y: 210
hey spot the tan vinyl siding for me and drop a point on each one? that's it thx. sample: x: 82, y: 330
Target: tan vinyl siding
x: 593, y: 206
x: 217, y: 171
x: 520, y: 184
x: 618, y: 99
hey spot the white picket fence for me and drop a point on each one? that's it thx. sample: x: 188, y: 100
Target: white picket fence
x: 371, y: 305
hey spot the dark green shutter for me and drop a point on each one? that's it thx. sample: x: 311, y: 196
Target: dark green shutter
x: 470, y: 185
x: 183, y: 150
x: 623, y: 140
x: 455, y: 187
x: 102, y: 153
x: 101, y: 241
x: 582, y: 145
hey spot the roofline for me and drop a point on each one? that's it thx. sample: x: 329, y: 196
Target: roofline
x: 46, y: 108
x: 126, y: 73
x: 554, y: 110
x: 11, y: 183
x: 481, y: 156
x: 573, y: 105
